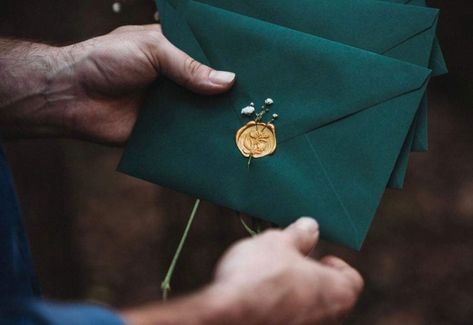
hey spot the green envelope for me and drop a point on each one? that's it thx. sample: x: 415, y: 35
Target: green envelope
x: 345, y: 114
x: 403, y: 32
x: 437, y: 61
x: 420, y: 137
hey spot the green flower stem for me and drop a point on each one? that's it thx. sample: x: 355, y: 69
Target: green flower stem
x: 247, y: 228
x: 166, y: 284
x: 249, y: 161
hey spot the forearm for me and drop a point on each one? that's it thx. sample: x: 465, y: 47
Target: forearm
x: 26, y: 69
x: 212, y: 305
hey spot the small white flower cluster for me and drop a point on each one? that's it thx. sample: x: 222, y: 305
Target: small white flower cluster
x: 248, y: 110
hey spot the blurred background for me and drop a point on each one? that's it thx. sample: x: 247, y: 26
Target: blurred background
x: 103, y: 236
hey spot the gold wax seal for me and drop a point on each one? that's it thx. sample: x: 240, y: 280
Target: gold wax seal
x: 256, y: 139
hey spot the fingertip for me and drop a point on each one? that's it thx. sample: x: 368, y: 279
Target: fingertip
x: 217, y: 82
x: 204, y: 80
x: 222, y: 78
x: 306, y: 224
x: 304, y: 234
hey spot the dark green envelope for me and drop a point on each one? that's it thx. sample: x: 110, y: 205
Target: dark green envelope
x: 420, y: 137
x: 403, y: 32
x: 345, y: 114
x: 437, y: 61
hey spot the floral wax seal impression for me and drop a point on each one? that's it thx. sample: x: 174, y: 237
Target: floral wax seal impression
x: 257, y: 139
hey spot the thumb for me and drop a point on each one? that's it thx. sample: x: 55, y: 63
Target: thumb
x: 189, y: 73
x: 304, y: 234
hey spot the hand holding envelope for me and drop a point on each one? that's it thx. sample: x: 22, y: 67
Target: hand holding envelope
x: 348, y: 90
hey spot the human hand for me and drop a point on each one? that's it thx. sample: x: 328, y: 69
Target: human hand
x: 271, y: 280
x: 92, y: 90
x: 109, y: 74
x: 267, y: 279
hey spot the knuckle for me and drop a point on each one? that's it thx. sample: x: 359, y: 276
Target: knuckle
x: 272, y: 232
x: 120, y: 29
x: 155, y: 36
x: 345, y: 296
x: 346, y: 271
x: 194, y: 73
x: 269, y: 238
x: 353, y: 279
x: 240, y: 246
x: 191, y: 66
x: 358, y: 280
x: 126, y: 28
x: 347, y: 302
x: 274, y: 235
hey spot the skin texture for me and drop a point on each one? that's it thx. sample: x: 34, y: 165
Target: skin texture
x: 92, y: 91
x: 267, y: 279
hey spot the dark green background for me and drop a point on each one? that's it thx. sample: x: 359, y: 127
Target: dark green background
x: 97, y: 234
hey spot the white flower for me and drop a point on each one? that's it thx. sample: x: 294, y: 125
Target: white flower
x: 268, y: 101
x: 248, y: 110
x: 275, y: 116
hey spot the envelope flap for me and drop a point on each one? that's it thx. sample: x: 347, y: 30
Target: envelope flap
x: 313, y: 81
x: 359, y: 163
x: 177, y: 30
x: 409, y: 2
x: 371, y: 25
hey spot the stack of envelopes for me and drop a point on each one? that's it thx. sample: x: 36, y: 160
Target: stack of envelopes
x: 348, y: 79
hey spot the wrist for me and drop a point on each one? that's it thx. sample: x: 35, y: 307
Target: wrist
x: 26, y: 109
x: 229, y: 304
x: 212, y: 305
x: 224, y: 304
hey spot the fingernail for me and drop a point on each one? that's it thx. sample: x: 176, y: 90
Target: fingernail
x: 221, y: 77
x: 306, y: 224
